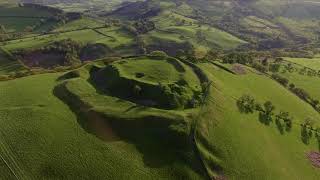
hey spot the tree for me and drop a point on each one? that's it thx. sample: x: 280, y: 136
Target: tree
x: 280, y: 79
x: 246, y: 104
x: 158, y: 53
x: 291, y: 86
x: 259, y: 67
x: 315, y: 102
x: 268, y: 108
x: 212, y: 54
x: 301, y: 93
x: 200, y: 36
x: 274, y: 67
x: 286, y: 118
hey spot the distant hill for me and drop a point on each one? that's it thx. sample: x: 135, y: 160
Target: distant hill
x: 266, y: 24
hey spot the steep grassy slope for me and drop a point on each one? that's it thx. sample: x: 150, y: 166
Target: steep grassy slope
x: 303, y: 79
x: 172, y: 23
x: 18, y: 19
x: 82, y: 36
x: 82, y: 5
x: 44, y: 138
x: 313, y: 63
x: 244, y: 148
x: 80, y: 24
x: 8, y: 65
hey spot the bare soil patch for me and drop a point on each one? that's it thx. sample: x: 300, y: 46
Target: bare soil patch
x: 314, y: 158
x: 239, y: 69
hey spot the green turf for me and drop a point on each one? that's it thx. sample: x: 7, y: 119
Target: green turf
x: 169, y: 22
x: 8, y: 65
x: 304, y: 81
x: 23, y: 17
x: 313, y: 63
x: 165, y: 82
x: 47, y: 142
x: 82, y: 36
x: 116, y: 37
x: 80, y: 24
x: 244, y: 147
x: 156, y: 71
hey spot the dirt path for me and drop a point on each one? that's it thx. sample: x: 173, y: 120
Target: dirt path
x: 314, y: 158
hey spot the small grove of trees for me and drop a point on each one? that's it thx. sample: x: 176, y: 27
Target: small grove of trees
x: 237, y: 57
x: 283, y: 81
x: 260, y: 67
x: 307, y: 130
x: 247, y: 104
x: 283, y: 121
x: 301, y: 93
x: 274, y: 67
x: 143, y: 26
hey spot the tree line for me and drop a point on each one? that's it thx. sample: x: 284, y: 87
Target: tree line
x: 283, y: 120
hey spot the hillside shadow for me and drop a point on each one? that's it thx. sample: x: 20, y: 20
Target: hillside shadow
x: 155, y: 144
x: 280, y: 126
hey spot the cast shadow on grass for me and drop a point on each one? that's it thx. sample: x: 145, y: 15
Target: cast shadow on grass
x: 280, y: 126
x: 306, y: 134
x: 154, y: 142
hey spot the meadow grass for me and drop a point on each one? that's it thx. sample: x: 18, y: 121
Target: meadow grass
x: 242, y: 146
x: 313, y: 63
x: 7, y: 65
x: 44, y: 136
x: 23, y: 17
x: 84, y: 22
x: 169, y: 21
x: 82, y: 36
x: 117, y: 37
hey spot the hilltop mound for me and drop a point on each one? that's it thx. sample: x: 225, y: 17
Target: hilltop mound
x: 163, y: 83
x: 155, y: 95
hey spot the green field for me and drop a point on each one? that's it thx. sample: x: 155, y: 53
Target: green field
x: 82, y: 36
x: 55, y: 146
x: 80, y: 24
x: 242, y: 146
x: 17, y: 19
x: 313, y: 63
x: 177, y: 25
x: 7, y: 65
x: 141, y: 93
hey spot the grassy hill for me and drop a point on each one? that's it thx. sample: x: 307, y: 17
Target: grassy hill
x: 18, y: 19
x: 223, y: 134
x: 64, y: 144
x: 241, y: 146
x: 8, y: 65
x: 142, y: 114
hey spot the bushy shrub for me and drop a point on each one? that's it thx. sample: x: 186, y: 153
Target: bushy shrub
x: 246, y: 104
x: 283, y: 81
x: 260, y: 67
x: 4, y: 77
x: 158, y: 54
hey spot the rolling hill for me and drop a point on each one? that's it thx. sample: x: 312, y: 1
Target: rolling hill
x: 171, y: 89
